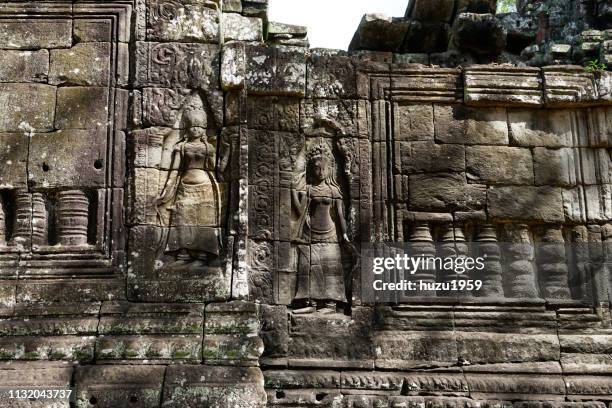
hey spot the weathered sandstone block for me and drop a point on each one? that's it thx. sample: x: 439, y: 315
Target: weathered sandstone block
x: 52, y: 160
x: 428, y: 157
x: 19, y: 34
x: 119, y: 385
x: 496, y: 85
x: 13, y: 159
x: 182, y: 21
x: 189, y: 385
x: 331, y: 76
x: 547, y: 128
x: 556, y: 167
x: 84, y: 64
x: 431, y: 10
x: 481, y: 34
x: 378, y: 32
x: 445, y: 192
x: 568, y: 85
x: 24, y: 66
x: 181, y: 65
x: 26, y: 107
x: 499, y: 165
x: 81, y: 107
x: 414, y: 122
x: 240, y: 28
x: 289, y: 66
x: 462, y: 125
x: 525, y: 203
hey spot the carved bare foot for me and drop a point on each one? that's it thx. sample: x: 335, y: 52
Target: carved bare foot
x: 182, y: 260
x: 326, y: 310
x: 200, y: 261
x: 198, y: 264
x: 305, y: 310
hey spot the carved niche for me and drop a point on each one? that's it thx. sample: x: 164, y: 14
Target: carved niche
x: 302, y: 215
x: 180, y: 247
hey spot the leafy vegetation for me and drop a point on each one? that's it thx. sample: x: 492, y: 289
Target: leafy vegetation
x: 594, y: 66
x: 506, y: 6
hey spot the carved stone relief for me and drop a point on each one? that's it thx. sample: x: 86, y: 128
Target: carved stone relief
x: 61, y: 189
x: 181, y: 186
x: 193, y: 202
x: 185, y: 189
x: 319, y: 230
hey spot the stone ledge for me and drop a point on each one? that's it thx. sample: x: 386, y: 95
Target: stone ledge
x: 491, y: 85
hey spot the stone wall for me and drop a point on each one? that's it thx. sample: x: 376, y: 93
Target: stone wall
x: 186, y: 188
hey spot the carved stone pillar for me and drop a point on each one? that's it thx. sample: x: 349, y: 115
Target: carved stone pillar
x: 23, y: 221
x: 491, y: 276
x: 598, y: 262
x: 463, y: 251
x: 552, y: 264
x: 446, y: 248
x: 2, y: 226
x: 72, y: 217
x: 589, y: 249
x: 520, y: 273
x: 605, y: 277
x: 39, y: 220
x: 421, y: 243
x: 452, y: 245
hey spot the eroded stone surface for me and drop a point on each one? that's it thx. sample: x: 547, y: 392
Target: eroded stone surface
x: 84, y: 64
x: 499, y: 165
x: 81, y: 107
x: 236, y: 387
x: 414, y: 122
x: 186, y: 188
x: 119, y: 385
x: 526, y: 203
x: 190, y: 65
x: 239, y: 28
x: 555, y: 166
x: 379, y: 32
x: 457, y: 124
x: 49, y: 161
x: 182, y: 21
x: 445, y: 192
x: 27, y: 34
x: 275, y: 71
x: 478, y: 33
x: 417, y: 157
x: 14, y: 159
x: 24, y: 66
x: 27, y: 107
x: 547, y: 128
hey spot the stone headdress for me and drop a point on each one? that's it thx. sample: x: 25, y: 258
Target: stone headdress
x: 193, y: 113
x: 320, y: 150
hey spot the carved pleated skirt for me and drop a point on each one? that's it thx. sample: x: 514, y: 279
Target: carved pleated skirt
x: 320, y: 272
x: 195, y: 222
